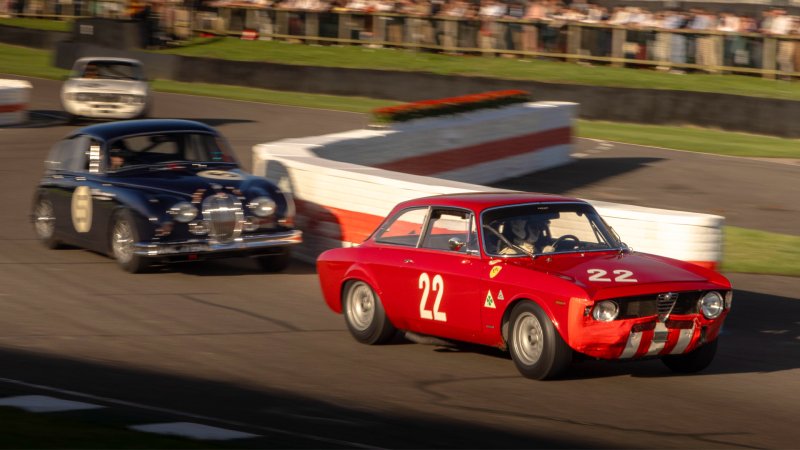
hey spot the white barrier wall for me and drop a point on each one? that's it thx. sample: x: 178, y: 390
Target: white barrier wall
x: 345, y: 183
x: 340, y: 204
x: 14, y: 98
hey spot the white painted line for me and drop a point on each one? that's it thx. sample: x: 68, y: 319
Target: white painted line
x: 580, y: 155
x: 193, y: 430
x: 44, y: 403
x: 176, y: 412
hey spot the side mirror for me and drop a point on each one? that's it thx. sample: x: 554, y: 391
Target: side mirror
x: 455, y: 244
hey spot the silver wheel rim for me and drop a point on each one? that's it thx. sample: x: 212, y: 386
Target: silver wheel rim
x: 360, y: 306
x: 122, y: 241
x: 44, y: 219
x: 528, y: 339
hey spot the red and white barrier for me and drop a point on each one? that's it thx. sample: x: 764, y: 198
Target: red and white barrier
x: 340, y: 203
x: 14, y: 98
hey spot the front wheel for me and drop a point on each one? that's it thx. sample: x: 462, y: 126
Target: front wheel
x: 44, y: 223
x: 364, y: 314
x: 124, y: 236
x: 536, y: 347
x: 694, y: 361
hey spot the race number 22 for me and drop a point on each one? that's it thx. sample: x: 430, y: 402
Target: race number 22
x: 427, y: 285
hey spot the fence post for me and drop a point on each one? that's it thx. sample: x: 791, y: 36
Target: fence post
x: 344, y: 26
x: 573, y: 41
x: 379, y: 28
x: 770, y: 50
x: 282, y: 22
x: 618, y: 37
x: 312, y: 26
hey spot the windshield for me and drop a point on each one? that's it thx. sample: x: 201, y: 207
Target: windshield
x: 110, y: 70
x: 143, y: 150
x: 545, y: 228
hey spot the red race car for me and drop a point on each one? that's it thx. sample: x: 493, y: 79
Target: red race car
x: 541, y: 276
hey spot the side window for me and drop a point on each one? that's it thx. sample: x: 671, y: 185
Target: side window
x: 404, y: 228
x: 71, y: 155
x: 448, y: 230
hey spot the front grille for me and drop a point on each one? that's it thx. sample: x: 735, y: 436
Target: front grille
x: 654, y: 304
x: 101, y: 97
x: 223, y: 213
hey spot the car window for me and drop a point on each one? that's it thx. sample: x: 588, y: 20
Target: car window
x: 70, y: 155
x: 403, y: 229
x: 167, y: 147
x: 545, y: 228
x: 448, y: 230
x: 110, y: 70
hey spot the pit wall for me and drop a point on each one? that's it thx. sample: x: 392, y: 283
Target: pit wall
x: 343, y: 188
x: 14, y: 98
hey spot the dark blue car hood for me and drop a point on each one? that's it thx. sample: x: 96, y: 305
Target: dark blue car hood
x: 186, y: 182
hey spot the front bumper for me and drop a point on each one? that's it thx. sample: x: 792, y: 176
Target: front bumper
x: 246, y: 245
x: 104, y: 110
x: 640, y: 337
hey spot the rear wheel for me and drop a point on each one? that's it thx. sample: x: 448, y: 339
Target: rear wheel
x: 694, y: 361
x: 536, y: 347
x: 364, y: 314
x: 124, y: 236
x: 44, y: 222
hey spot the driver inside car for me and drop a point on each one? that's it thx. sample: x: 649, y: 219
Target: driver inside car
x: 528, y: 233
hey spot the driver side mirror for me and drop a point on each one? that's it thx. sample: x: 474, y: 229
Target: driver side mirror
x: 455, y: 244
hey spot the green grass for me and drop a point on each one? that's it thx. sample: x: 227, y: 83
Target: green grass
x: 753, y: 251
x: 538, y: 70
x: 29, y: 62
x: 19, y: 429
x: 37, y: 24
x: 694, y: 139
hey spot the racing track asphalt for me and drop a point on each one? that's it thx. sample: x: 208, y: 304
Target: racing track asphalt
x: 222, y: 340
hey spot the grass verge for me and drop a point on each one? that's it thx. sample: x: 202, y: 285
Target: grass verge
x: 754, y: 251
x: 37, y: 24
x: 513, y: 68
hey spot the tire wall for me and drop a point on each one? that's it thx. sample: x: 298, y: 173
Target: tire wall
x: 14, y: 98
x: 341, y: 202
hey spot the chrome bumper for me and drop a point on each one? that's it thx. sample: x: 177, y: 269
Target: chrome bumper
x: 241, y: 244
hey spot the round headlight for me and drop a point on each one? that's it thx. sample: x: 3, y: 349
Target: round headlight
x: 183, y: 212
x: 605, y: 311
x: 262, y: 206
x: 711, y: 305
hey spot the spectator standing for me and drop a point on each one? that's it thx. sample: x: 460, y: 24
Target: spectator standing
x: 491, y: 30
x: 534, y: 13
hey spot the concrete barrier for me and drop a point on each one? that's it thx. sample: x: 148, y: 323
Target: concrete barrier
x: 340, y: 203
x: 14, y: 98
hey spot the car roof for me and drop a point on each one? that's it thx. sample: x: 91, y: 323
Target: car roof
x: 89, y: 59
x: 112, y: 130
x: 478, y: 201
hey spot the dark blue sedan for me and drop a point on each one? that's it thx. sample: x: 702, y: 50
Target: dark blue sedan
x: 148, y: 192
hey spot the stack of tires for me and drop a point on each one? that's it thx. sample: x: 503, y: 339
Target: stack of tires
x: 14, y: 98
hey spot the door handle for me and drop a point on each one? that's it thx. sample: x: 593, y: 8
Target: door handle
x: 408, y: 261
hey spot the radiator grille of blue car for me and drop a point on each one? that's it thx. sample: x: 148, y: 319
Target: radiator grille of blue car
x: 223, y: 213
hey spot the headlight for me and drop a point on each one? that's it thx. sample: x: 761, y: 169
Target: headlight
x: 711, y: 305
x: 183, y: 212
x: 605, y: 311
x: 262, y: 206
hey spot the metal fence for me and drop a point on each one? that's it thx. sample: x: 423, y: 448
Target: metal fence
x: 668, y: 50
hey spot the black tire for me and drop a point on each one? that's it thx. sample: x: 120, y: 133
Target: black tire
x: 364, y: 314
x: 123, y: 235
x: 44, y: 223
x: 536, y: 347
x: 694, y: 361
x: 275, y: 263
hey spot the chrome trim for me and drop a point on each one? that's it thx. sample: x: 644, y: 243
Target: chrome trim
x: 248, y: 242
x: 224, y: 216
x: 665, y: 303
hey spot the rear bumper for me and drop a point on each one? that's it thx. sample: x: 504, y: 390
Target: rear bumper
x: 246, y: 245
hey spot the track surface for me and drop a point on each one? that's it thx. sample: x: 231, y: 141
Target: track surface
x: 224, y: 341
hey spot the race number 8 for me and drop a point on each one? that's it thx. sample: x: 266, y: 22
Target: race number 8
x: 438, y: 287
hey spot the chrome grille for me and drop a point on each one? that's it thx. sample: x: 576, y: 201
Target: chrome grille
x: 664, y: 305
x: 101, y: 97
x: 223, y: 213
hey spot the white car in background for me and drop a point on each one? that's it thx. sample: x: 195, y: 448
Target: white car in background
x: 106, y: 88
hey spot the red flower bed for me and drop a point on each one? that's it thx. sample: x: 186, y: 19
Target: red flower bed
x: 452, y: 105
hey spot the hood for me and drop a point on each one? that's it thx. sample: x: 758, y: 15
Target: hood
x: 621, y: 273
x: 182, y: 182
x: 106, y: 86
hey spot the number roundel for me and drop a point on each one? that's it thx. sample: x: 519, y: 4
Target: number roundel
x: 427, y: 285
